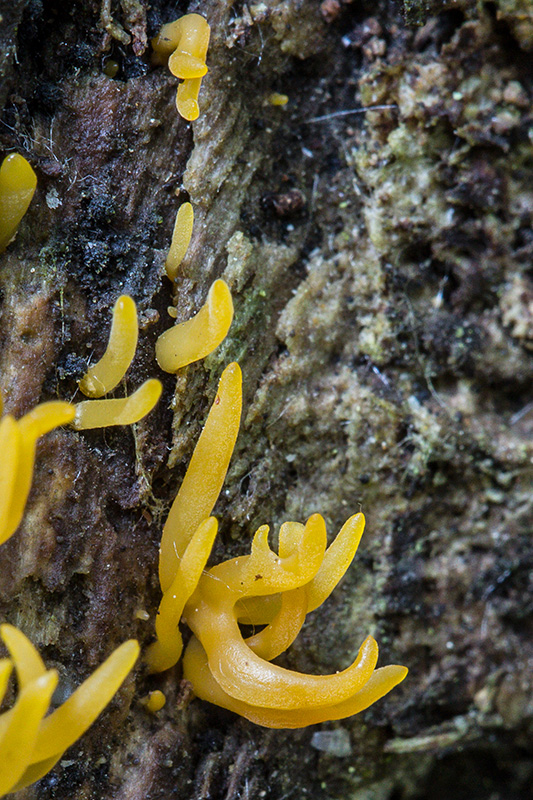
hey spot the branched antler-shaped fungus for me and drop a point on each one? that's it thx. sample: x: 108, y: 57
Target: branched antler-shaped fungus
x: 277, y: 589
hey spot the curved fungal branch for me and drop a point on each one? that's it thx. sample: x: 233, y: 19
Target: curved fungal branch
x: 205, y: 475
x: 118, y: 411
x: 195, y: 339
x: 111, y: 368
x: 18, y: 440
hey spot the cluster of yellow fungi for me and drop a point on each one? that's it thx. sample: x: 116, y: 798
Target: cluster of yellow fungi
x: 265, y: 588
x: 276, y: 590
x: 32, y: 743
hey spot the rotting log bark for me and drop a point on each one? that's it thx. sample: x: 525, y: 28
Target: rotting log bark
x: 381, y: 269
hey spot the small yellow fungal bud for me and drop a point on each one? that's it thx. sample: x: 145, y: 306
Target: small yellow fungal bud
x: 277, y: 99
x: 185, y: 42
x: 109, y: 371
x: 192, y: 340
x: 111, y: 68
x: 180, y: 239
x: 17, y: 185
x: 121, y: 411
x: 155, y: 701
x: 205, y: 475
x: 142, y: 615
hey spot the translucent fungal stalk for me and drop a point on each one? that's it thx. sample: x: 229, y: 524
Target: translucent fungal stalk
x: 181, y: 238
x: 17, y: 186
x: 205, y: 474
x: 21, y: 730
x: 165, y: 652
x: 109, y: 371
x: 192, y: 340
x: 67, y: 723
x: 120, y: 411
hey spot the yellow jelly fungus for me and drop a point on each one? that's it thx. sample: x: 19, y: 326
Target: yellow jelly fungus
x: 192, y: 340
x: 236, y: 668
x: 17, y: 186
x: 165, y: 652
x: 204, y: 478
x: 185, y: 42
x: 278, y: 589
x: 32, y: 743
x: 120, y: 411
x: 180, y: 239
x: 18, y: 439
x: 155, y: 701
x: 109, y: 371
x: 234, y: 673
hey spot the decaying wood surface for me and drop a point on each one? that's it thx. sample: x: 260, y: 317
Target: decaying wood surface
x: 377, y: 236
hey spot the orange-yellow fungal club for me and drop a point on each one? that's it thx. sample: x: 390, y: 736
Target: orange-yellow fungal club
x: 119, y: 411
x: 18, y: 440
x: 185, y: 42
x: 109, y: 371
x: 205, y: 475
x: 180, y: 239
x: 17, y: 186
x: 337, y: 559
x: 165, y: 652
x: 30, y: 742
x: 192, y: 340
x: 10, y: 447
x: 196, y: 671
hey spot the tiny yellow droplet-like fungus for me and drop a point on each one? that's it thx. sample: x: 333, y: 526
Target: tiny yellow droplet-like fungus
x: 17, y: 186
x: 185, y: 42
x: 192, y: 340
x: 180, y: 239
x: 111, y: 68
x: 119, y: 411
x: 109, y: 371
x: 277, y: 99
x: 155, y: 701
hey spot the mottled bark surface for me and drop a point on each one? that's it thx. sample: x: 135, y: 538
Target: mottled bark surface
x: 381, y: 266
